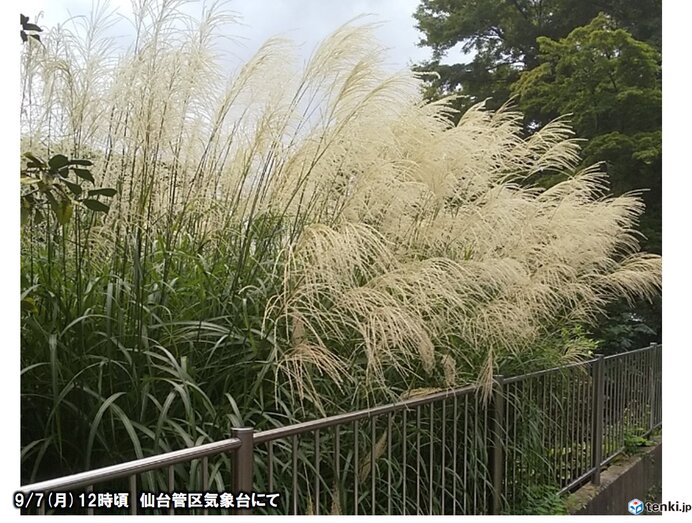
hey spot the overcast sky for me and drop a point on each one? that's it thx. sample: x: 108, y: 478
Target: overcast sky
x: 305, y: 21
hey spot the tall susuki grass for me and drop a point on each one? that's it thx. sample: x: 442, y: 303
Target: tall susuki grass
x: 287, y: 242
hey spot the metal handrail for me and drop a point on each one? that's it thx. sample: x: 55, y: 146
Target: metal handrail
x: 634, y: 351
x: 339, y: 419
x: 121, y: 470
x: 514, y: 379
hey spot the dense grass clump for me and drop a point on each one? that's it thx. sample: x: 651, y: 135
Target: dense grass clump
x: 288, y: 241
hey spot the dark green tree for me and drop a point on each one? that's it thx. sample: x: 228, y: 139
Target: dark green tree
x: 502, y: 37
x: 610, y: 84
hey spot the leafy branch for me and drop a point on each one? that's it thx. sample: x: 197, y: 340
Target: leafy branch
x: 48, y: 185
x: 28, y: 30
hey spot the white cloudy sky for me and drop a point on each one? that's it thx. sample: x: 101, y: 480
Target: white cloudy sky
x: 304, y: 21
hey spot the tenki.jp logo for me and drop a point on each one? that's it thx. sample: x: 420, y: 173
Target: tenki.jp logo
x: 635, y: 507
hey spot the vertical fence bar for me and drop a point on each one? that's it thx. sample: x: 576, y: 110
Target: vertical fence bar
x: 652, y: 385
x: 205, y: 480
x: 623, y: 402
x: 403, y: 461
x: 418, y: 460
x: 511, y: 421
x: 466, y: 447
x: 355, y: 467
x: 133, y: 494
x: 317, y: 472
x: 488, y: 473
x: 294, y: 463
x: 497, y: 466
x: 443, y: 450
x: 337, y: 471
x: 627, y: 411
x: 389, y: 464
x: 597, y: 434
x: 643, y: 390
x: 270, y: 464
x: 555, y: 425
x: 373, y: 449
x: 515, y: 439
x: 659, y: 385
x: 171, y: 487
x: 242, y: 466
x: 430, y: 462
x: 610, y: 408
x: 573, y: 438
x: 579, y: 427
x: 454, y: 457
x: 473, y: 467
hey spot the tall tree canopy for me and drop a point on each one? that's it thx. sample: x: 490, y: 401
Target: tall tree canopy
x: 610, y: 84
x: 502, y: 36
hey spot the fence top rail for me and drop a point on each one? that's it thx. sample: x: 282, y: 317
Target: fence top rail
x: 521, y: 377
x: 340, y: 419
x: 91, y: 477
x: 630, y: 352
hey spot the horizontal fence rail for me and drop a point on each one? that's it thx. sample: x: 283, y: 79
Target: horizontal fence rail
x: 201, y: 475
x: 463, y: 451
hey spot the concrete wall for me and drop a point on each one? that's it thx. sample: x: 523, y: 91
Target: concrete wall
x: 632, y: 477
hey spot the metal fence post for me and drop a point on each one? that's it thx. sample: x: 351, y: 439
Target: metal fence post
x: 598, y: 377
x: 652, y: 385
x: 497, y: 463
x: 242, y: 464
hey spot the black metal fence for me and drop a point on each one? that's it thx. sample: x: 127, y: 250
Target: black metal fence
x: 462, y: 451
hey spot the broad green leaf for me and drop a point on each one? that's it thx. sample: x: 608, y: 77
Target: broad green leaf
x: 95, y: 205
x: 84, y: 174
x: 58, y: 161
x: 86, y: 163
x: 102, y: 192
x: 74, y: 187
x: 35, y: 160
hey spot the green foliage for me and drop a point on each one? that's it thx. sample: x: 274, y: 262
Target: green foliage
x: 622, y: 330
x: 608, y: 81
x: 634, y: 441
x: 28, y: 30
x: 562, y: 344
x: 46, y: 185
x: 540, y: 500
x: 502, y: 37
